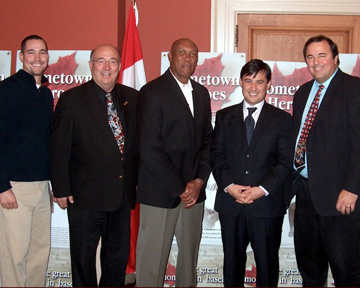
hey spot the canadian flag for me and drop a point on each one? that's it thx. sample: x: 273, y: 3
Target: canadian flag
x: 132, y: 71
x: 132, y: 74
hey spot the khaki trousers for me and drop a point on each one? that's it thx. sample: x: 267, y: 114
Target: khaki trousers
x: 25, y: 236
x: 157, y: 229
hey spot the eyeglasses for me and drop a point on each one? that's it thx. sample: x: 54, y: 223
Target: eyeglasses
x: 102, y: 62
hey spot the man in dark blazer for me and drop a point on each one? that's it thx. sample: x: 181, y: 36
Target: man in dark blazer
x: 251, y: 172
x: 327, y: 220
x: 174, y: 130
x: 92, y: 174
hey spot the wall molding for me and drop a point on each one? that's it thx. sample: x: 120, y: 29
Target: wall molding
x: 224, y: 12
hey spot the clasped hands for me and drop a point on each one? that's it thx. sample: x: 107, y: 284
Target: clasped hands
x: 191, y: 193
x: 245, y: 194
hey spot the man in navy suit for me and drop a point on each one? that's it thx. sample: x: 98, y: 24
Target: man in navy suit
x: 327, y: 185
x: 93, y: 174
x: 251, y: 173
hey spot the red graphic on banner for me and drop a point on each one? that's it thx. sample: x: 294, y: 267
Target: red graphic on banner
x: 219, y: 87
x: 170, y: 275
x: 62, y: 68
x: 251, y: 275
x: 283, y: 87
x: 356, y: 69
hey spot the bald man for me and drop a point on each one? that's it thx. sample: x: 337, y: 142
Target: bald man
x: 93, y: 169
x: 174, y: 130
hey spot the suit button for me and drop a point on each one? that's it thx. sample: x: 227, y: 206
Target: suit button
x: 248, y: 155
x: 120, y: 177
x: 246, y: 172
x: 122, y: 158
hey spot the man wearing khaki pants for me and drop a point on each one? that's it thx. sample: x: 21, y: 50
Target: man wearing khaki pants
x: 26, y: 106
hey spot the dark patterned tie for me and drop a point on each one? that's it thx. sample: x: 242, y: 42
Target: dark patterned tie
x: 115, y: 123
x: 301, y: 145
x: 249, y: 124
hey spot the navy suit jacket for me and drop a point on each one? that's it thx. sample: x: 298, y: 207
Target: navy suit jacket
x: 85, y: 160
x: 174, y: 146
x: 266, y: 161
x: 333, y: 145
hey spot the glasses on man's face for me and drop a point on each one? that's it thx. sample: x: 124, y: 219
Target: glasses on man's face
x: 102, y: 62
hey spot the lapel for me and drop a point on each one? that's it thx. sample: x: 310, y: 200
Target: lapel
x: 262, y: 123
x: 94, y: 106
x: 121, y: 107
x: 98, y: 111
x: 238, y: 123
x: 301, y: 102
x: 329, y: 97
x: 177, y: 94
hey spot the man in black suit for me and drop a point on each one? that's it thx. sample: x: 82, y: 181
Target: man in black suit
x: 251, y: 156
x: 93, y: 170
x: 174, y: 130
x: 327, y: 183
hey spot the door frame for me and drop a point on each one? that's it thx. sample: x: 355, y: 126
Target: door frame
x: 224, y: 14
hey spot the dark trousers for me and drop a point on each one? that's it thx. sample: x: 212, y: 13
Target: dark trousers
x: 323, y: 240
x: 86, y: 228
x: 264, y: 234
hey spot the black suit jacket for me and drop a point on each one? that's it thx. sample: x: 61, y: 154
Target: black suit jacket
x: 85, y: 159
x: 266, y: 161
x: 333, y: 145
x: 173, y: 145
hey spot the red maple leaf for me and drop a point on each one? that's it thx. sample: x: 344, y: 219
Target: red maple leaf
x: 251, y: 274
x: 64, y: 66
x: 296, y: 79
x: 170, y: 271
x: 356, y: 69
x: 214, y: 67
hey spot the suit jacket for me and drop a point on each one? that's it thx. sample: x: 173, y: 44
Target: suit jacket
x: 173, y: 145
x: 85, y: 160
x: 333, y: 145
x: 266, y: 161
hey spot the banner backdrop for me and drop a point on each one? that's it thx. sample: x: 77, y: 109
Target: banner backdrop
x: 219, y: 72
x: 5, y: 64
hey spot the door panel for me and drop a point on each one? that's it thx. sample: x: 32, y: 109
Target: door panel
x: 282, y: 37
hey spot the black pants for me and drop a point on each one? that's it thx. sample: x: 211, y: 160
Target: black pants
x: 86, y: 228
x: 264, y: 234
x: 323, y: 240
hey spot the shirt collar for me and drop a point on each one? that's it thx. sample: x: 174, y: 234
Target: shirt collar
x: 185, y: 87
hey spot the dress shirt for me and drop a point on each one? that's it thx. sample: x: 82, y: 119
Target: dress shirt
x: 187, y: 92
x: 314, y: 89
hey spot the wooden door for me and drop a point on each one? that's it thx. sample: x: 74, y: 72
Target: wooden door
x: 282, y: 37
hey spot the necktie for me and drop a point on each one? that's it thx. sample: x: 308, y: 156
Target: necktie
x: 249, y: 124
x: 301, y: 145
x: 114, y: 123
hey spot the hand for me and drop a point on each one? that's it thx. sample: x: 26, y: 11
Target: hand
x: 346, y: 202
x: 251, y: 195
x: 238, y: 192
x: 63, y: 201
x: 191, y: 193
x: 8, y: 200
